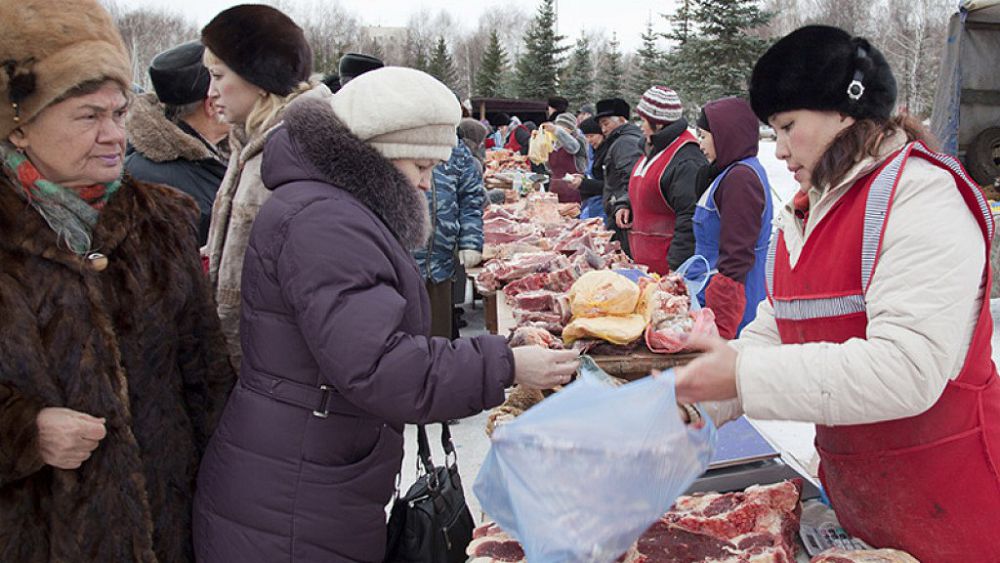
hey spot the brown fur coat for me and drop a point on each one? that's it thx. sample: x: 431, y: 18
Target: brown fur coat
x: 139, y: 344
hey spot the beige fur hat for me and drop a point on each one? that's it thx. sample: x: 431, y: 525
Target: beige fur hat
x: 47, y: 48
x: 401, y: 112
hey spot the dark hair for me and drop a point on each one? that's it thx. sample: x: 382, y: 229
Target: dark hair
x: 863, y: 139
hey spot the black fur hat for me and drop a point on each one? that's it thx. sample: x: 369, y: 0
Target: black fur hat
x: 590, y: 126
x: 262, y: 45
x: 613, y: 107
x: 353, y: 65
x: 823, y: 68
x: 558, y: 103
x: 178, y: 75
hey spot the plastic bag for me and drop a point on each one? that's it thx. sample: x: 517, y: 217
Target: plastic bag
x: 696, y: 272
x: 620, y: 330
x: 540, y: 146
x: 672, y: 341
x: 603, y: 293
x: 582, y: 475
x: 671, y: 335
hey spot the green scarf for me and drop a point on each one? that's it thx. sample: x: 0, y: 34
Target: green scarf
x: 72, y: 217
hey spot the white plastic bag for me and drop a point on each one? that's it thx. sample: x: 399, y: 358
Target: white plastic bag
x: 580, y: 476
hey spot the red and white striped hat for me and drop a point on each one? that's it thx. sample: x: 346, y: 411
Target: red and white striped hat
x: 660, y: 105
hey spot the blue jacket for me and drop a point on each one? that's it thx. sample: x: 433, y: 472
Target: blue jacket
x: 456, y: 203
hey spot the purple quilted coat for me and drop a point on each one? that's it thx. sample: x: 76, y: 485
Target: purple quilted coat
x: 331, y: 297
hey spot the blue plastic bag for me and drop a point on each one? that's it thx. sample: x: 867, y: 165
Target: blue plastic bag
x: 696, y: 272
x: 582, y: 475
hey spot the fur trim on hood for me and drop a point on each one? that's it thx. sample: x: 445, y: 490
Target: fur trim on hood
x: 344, y: 161
x: 159, y: 139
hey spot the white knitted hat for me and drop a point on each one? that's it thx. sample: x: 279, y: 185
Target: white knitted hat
x: 660, y: 104
x: 401, y: 112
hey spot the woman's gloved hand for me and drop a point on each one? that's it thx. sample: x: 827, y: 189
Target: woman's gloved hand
x: 469, y: 258
x: 539, y: 368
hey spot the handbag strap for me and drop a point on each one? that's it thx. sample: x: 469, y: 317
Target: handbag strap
x: 424, y: 448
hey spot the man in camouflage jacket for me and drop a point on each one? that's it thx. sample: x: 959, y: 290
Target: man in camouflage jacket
x: 456, y: 206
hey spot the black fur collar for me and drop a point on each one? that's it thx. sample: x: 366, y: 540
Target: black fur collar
x: 348, y: 163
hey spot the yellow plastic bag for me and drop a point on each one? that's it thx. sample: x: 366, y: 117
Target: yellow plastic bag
x: 540, y: 146
x: 603, y: 293
x: 620, y: 330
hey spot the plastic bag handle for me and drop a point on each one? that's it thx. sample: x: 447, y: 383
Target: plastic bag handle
x: 695, y: 286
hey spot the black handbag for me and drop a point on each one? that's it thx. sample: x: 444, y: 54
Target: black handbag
x: 431, y: 523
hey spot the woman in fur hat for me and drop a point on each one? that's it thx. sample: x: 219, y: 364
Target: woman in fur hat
x: 259, y: 61
x: 336, y: 324
x: 876, y: 325
x: 113, y: 368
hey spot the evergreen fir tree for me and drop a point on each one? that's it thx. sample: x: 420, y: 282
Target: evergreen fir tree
x: 441, y: 66
x: 492, y: 74
x: 578, y: 77
x: 611, y: 73
x: 724, y: 52
x: 420, y: 61
x: 414, y: 52
x: 538, y: 69
x: 714, y: 53
x: 682, y: 26
x: 648, y: 68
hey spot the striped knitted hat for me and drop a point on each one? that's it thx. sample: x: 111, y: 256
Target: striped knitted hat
x: 660, y: 105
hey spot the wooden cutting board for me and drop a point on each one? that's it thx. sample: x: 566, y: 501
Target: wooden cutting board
x: 641, y: 363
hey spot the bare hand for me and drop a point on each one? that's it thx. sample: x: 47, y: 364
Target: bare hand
x: 66, y: 437
x: 575, y: 180
x: 711, y: 376
x: 623, y: 217
x: 538, y: 368
x: 548, y: 126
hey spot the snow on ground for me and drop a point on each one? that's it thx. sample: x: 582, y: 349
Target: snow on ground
x: 781, y: 179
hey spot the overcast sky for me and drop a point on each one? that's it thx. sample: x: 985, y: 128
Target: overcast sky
x: 626, y: 17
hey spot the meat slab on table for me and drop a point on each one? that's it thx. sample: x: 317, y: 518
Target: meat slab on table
x: 757, y: 525
x: 491, y: 545
x: 534, y: 336
x: 496, y: 272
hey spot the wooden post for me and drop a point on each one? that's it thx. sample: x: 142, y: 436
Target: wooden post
x: 490, y: 312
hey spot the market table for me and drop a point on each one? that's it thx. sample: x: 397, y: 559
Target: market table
x: 631, y: 366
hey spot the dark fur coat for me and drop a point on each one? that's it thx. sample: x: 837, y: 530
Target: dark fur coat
x: 138, y: 344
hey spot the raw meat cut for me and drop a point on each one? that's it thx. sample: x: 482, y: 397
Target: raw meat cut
x: 541, y: 300
x: 491, y: 545
x: 555, y: 328
x: 867, y: 556
x: 757, y: 525
x: 533, y: 282
x: 497, y: 273
x: 547, y: 317
x: 667, y: 307
x: 533, y: 336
